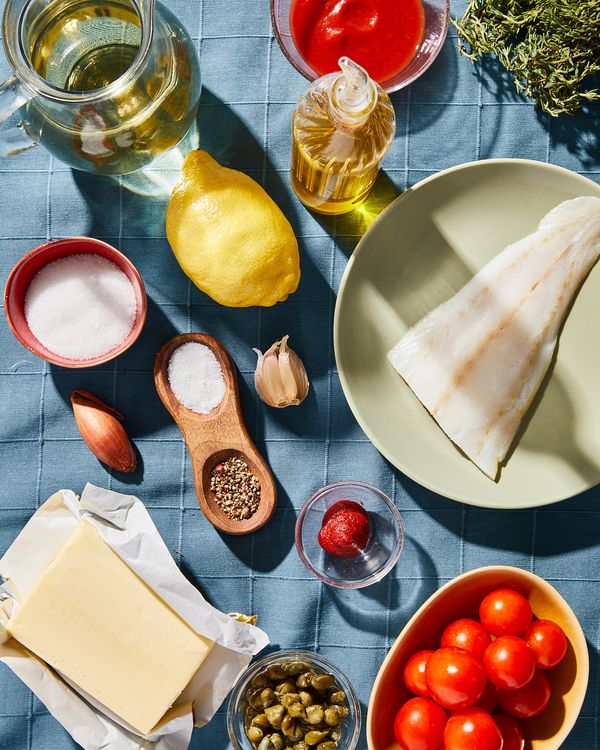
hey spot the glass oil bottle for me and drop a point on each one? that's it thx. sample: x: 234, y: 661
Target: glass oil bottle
x: 341, y: 130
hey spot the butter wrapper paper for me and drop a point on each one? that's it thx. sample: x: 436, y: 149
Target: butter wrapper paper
x: 126, y: 526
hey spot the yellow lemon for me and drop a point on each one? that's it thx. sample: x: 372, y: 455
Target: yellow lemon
x: 229, y: 237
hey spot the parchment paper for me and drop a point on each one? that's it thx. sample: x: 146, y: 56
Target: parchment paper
x: 125, y: 525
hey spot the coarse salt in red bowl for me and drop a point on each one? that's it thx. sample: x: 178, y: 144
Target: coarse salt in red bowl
x: 25, y: 270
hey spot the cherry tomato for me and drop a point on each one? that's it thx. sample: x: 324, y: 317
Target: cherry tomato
x: 472, y: 729
x: 509, y: 662
x: 469, y: 635
x: 455, y: 678
x: 528, y: 701
x: 488, y: 700
x: 414, y: 673
x: 548, y: 641
x: 419, y: 725
x: 511, y: 732
x: 505, y: 612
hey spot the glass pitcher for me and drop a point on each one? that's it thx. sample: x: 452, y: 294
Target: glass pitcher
x: 105, y: 85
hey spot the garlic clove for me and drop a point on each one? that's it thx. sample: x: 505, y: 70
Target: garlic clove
x: 293, y: 374
x: 280, y: 378
x: 271, y: 391
x: 273, y: 378
x: 100, y: 427
x: 286, y: 373
x: 259, y: 381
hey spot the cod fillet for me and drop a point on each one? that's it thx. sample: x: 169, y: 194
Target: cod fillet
x: 477, y: 361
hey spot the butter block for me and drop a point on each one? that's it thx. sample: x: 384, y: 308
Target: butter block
x: 95, y: 621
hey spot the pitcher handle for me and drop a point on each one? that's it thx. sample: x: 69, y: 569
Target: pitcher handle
x: 12, y: 97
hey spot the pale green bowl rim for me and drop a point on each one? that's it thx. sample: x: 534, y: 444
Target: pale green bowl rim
x: 337, y: 335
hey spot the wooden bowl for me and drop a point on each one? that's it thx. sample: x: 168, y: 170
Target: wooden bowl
x: 214, y: 437
x: 461, y: 598
x: 29, y: 265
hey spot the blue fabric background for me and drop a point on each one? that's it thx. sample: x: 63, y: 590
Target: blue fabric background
x: 451, y: 115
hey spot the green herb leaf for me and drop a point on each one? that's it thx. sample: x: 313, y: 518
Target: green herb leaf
x: 549, y: 46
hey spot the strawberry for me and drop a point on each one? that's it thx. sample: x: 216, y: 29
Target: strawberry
x: 345, y: 532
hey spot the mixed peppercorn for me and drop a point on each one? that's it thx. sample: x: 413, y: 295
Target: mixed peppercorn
x: 236, y: 489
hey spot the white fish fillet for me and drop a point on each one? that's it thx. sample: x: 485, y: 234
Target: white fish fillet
x: 477, y: 360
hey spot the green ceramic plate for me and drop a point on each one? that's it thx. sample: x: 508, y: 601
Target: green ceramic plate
x: 422, y: 249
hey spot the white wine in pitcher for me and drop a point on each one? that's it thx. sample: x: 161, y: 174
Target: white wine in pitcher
x: 116, y: 83
x: 85, y: 46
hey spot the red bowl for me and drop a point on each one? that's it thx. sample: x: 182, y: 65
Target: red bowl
x: 22, y: 274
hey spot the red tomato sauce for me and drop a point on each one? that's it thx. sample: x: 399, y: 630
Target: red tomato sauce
x: 380, y: 35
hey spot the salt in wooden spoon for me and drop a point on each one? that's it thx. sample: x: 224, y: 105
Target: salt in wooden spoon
x: 213, y: 438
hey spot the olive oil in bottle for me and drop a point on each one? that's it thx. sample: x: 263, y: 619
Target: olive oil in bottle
x: 341, y: 130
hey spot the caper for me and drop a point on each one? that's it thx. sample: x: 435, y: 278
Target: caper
x: 291, y: 729
x: 275, y: 672
x: 265, y: 744
x: 250, y: 712
x: 314, y: 714
x: 296, y: 710
x: 260, y: 720
x: 288, y: 725
x: 335, y: 734
x: 276, y: 741
x: 254, y: 734
x: 288, y: 698
x: 322, y: 682
x: 306, y: 698
x: 332, y: 716
x: 300, y: 745
x: 315, y: 736
x: 339, y: 696
x: 254, y: 699
x: 275, y: 715
x: 343, y: 711
x: 259, y: 681
x: 294, y: 668
x: 304, y: 680
x: 329, y: 745
x: 267, y: 697
x: 285, y: 687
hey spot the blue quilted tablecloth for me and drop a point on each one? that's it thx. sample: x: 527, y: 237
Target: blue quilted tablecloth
x: 451, y: 115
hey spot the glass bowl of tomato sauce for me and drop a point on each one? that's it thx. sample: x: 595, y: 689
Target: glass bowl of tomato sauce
x: 352, y: 562
x: 394, y: 40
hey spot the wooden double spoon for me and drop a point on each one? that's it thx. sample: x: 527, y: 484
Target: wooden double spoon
x: 213, y: 438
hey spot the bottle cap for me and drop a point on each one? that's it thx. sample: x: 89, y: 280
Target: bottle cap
x: 353, y: 94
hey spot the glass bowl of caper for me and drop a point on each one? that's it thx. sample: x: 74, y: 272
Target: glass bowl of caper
x: 293, y: 700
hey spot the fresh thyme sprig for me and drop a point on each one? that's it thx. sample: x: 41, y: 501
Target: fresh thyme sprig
x: 549, y: 46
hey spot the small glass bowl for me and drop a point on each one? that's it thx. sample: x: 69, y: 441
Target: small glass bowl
x: 237, y: 701
x: 383, y: 548
x: 437, y: 15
